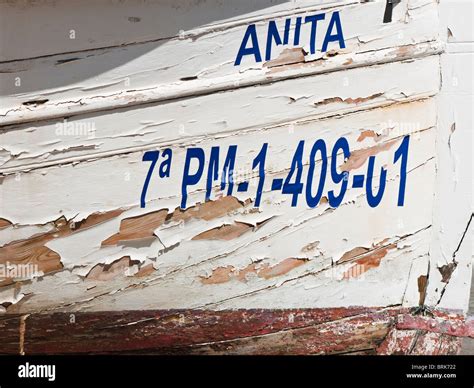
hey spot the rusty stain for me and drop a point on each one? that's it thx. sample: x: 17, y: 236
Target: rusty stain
x: 422, y: 287
x: 446, y: 271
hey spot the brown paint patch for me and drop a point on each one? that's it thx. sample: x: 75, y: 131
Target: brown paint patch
x: 349, y: 255
x: 136, y: 228
x: 359, y: 157
x: 207, y: 211
x: 367, y: 262
x: 33, y: 251
x: 446, y: 271
x: 281, y: 268
x: 219, y: 275
x: 368, y: 134
x: 265, y: 271
x: 143, y: 226
x: 224, y: 232
x: 289, y: 56
x: 358, y: 251
x: 145, y: 270
x: 4, y: 223
x: 105, y: 272
x: 422, y: 287
x: 241, y: 275
x: 95, y: 219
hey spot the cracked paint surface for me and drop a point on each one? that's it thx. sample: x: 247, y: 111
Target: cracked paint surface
x: 71, y: 175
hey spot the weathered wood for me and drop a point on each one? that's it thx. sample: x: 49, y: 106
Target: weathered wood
x: 456, y: 326
x: 186, y: 269
x: 298, y: 331
x: 196, y: 63
x: 453, y: 229
x: 188, y: 120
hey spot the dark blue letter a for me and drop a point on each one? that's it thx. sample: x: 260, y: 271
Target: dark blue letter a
x: 251, y: 33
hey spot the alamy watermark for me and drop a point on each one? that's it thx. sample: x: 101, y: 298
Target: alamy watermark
x: 76, y: 128
x: 18, y: 271
x: 401, y: 128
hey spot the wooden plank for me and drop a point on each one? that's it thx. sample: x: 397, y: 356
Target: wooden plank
x: 89, y: 80
x: 250, y: 331
x: 222, y: 114
x: 451, y: 253
x: 185, y: 332
x: 387, y: 248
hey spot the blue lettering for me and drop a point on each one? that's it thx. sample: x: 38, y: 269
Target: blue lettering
x: 191, y: 179
x: 314, y: 21
x: 338, y: 36
x: 251, y: 33
x: 272, y: 35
